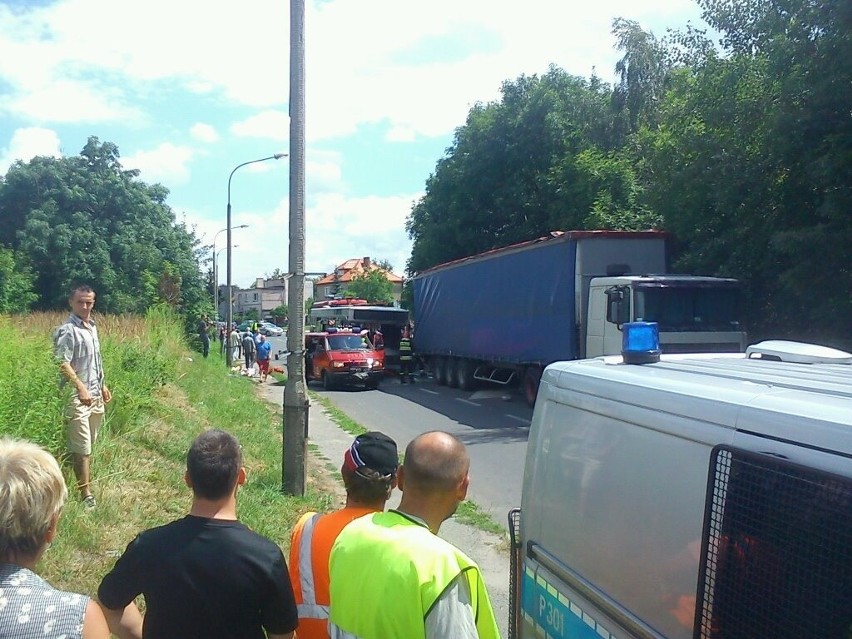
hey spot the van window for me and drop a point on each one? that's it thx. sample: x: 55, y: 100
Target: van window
x: 777, y: 551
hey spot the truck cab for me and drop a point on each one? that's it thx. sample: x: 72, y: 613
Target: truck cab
x: 342, y: 357
x: 694, y: 314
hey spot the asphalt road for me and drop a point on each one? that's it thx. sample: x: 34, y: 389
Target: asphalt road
x: 493, y: 428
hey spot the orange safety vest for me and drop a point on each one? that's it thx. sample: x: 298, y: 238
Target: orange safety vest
x: 310, y: 547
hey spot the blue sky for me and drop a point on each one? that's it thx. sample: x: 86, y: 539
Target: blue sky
x: 188, y: 90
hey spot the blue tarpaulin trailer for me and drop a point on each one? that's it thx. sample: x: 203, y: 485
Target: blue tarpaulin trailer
x: 503, y: 315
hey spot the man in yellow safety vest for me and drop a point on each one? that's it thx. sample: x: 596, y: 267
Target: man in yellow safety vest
x: 392, y: 576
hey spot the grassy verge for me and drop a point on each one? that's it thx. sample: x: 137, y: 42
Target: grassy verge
x: 164, y: 395
x: 468, y: 512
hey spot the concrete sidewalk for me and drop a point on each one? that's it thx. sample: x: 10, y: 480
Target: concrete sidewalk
x: 488, y: 550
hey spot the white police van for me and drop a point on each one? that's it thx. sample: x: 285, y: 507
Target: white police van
x: 699, y: 496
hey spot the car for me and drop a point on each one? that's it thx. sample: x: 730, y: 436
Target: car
x: 342, y: 358
x: 270, y: 330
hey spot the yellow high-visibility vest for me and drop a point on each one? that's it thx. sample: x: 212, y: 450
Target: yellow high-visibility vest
x: 387, y: 571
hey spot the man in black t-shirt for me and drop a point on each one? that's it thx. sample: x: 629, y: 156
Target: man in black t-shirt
x: 206, y: 575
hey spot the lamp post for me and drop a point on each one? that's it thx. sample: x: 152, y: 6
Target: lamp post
x: 230, y: 316
x: 216, y: 270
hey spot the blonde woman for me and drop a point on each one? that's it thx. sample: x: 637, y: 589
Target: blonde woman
x: 32, y: 493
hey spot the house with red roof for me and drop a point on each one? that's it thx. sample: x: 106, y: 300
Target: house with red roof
x: 334, y: 284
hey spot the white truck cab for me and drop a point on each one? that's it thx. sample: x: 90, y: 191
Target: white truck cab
x: 701, y: 496
x: 694, y: 314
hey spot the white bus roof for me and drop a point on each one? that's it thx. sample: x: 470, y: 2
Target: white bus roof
x: 366, y: 313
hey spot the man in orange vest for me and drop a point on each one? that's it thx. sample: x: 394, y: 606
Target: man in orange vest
x: 369, y: 474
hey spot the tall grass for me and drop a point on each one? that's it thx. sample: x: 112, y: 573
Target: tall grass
x: 164, y: 395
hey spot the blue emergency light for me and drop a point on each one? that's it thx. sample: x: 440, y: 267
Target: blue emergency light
x: 640, y: 342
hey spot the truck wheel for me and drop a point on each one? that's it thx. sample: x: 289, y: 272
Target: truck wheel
x: 440, y: 371
x: 451, y: 367
x: 464, y: 374
x: 532, y: 377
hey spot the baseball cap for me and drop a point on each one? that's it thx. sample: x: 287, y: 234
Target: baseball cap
x: 372, y: 450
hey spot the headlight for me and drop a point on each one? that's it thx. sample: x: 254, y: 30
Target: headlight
x: 337, y: 364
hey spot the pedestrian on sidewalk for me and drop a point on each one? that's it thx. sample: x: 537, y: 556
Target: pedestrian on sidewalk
x: 235, y: 344
x: 206, y: 574
x: 391, y: 576
x: 264, y: 352
x: 204, y: 335
x: 249, y: 349
x: 223, y: 339
x: 369, y: 474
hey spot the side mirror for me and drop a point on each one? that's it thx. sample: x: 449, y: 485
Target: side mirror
x: 617, y: 305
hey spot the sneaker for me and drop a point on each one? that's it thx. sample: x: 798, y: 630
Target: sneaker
x: 89, y: 502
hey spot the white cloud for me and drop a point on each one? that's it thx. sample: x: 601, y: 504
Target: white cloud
x: 167, y: 163
x: 419, y: 68
x: 270, y: 125
x: 204, y: 132
x: 323, y: 173
x: 27, y: 143
x: 339, y: 228
x: 402, y: 70
x: 336, y: 229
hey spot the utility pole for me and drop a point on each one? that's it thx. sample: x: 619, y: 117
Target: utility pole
x: 295, y: 451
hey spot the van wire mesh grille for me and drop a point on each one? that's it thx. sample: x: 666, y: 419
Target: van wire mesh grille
x: 777, y: 551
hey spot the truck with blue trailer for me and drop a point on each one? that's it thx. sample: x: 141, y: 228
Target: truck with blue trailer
x: 502, y: 316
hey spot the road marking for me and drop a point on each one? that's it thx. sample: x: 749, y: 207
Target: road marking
x: 431, y: 392
x: 467, y: 401
x: 488, y: 394
x: 525, y: 422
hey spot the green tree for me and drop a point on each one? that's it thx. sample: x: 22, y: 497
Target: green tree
x: 251, y: 315
x: 524, y: 166
x: 86, y: 219
x: 16, y: 284
x: 642, y: 71
x: 277, y: 274
x: 372, y: 286
x: 384, y: 264
x: 751, y: 165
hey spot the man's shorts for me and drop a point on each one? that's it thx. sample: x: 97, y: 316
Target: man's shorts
x: 83, y: 425
x: 263, y: 366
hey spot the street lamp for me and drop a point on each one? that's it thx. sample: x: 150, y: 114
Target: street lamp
x: 230, y: 317
x: 216, y: 270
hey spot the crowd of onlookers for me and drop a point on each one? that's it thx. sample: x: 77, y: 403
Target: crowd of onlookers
x: 359, y: 571
x: 248, y: 347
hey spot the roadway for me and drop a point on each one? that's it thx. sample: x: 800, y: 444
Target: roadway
x: 492, y: 422
x: 494, y: 430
